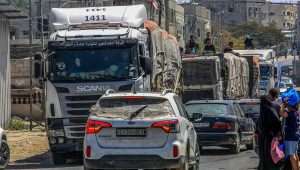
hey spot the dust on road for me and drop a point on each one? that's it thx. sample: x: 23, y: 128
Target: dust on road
x: 25, y: 144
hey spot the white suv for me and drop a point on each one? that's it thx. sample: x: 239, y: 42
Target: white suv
x: 140, y: 131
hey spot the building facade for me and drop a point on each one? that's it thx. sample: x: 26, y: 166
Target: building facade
x: 284, y: 16
x: 7, y: 12
x: 197, y: 22
x: 233, y: 12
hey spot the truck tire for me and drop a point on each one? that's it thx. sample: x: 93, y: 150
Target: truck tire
x: 58, y: 158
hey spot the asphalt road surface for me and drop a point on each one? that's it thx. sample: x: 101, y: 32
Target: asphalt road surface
x: 211, y: 159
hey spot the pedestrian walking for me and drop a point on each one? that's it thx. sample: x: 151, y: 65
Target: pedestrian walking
x: 291, y: 137
x: 268, y: 127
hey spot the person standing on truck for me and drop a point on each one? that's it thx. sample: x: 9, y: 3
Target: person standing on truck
x: 192, y: 46
x: 229, y: 49
x: 248, y: 42
x: 209, y: 47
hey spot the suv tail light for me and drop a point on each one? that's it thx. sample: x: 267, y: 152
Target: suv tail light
x: 95, y: 126
x: 223, y: 125
x: 168, y: 126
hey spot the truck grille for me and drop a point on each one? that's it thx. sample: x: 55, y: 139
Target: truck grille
x: 77, y: 109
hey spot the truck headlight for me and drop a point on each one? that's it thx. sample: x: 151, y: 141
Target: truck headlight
x: 61, y: 140
x: 52, y: 140
x: 56, y: 133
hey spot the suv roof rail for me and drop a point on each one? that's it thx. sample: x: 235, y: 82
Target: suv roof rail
x: 109, y: 91
x: 166, y: 91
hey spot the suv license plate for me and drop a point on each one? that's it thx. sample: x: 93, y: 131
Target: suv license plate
x: 123, y: 132
x: 201, y: 124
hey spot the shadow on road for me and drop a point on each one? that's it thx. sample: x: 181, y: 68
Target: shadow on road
x: 218, y: 151
x: 38, y: 162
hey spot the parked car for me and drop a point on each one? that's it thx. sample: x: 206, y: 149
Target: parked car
x: 251, y: 108
x: 4, y: 150
x: 221, y: 123
x: 140, y: 131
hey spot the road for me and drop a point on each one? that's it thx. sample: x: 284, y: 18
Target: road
x: 211, y: 159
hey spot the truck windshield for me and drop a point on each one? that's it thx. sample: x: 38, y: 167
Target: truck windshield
x: 265, y: 71
x: 107, y: 64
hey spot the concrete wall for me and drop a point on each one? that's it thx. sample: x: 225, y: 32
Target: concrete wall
x: 5, y: 106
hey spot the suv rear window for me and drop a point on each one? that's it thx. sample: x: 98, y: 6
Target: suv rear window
x: 209, y: 108
x: 124, y: 108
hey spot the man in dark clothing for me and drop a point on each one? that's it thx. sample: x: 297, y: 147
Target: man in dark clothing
x: 268, y: 126
x: 229, y: 48
x: 274, y: 94
x: 209, y: 47
x: 192, y: 45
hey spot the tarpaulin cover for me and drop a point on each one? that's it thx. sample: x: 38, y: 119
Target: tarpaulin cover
x: 166, y: 59
x: 291, y: 97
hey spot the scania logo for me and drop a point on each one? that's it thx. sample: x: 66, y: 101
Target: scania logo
x: 92, y: 88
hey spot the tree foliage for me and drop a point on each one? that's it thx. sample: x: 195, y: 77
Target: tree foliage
x: 263, y: 36
x: 22, y: 4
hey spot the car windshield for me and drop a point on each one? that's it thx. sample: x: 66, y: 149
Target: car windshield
x: 250, y: 107
x: 144, y: 108
x: 209, y: 108
x: 108, y: 64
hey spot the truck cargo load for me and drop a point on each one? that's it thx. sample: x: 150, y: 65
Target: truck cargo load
x: 254, y: 75
x: 215, y: 77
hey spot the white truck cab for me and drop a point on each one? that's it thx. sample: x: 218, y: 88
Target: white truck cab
x: 94, y: 49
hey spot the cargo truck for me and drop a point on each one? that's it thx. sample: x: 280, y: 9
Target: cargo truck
x: 215, y: 77
x: 95, y: 49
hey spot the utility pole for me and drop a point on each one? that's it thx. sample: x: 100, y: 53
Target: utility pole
x: 42, y: 24
x: 167, y: 19
x: 31, y: 63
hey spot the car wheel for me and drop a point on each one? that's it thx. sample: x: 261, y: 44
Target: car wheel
x: 58, y: 158
x: 251, y: 146
x: 237, y: 147
x: 4, y: 155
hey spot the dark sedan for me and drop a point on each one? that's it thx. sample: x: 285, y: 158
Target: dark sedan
x: 251, y: 108
x: 221, y: 123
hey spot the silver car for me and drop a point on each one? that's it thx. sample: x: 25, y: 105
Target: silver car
x: 140, y: 131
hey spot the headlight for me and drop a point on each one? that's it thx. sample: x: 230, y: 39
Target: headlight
x: 60, y: 140
x: 56, y: 133
x: 52, y: 140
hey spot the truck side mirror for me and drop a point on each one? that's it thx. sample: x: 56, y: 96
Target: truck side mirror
x: 38, y: 67
x: 146, y: 65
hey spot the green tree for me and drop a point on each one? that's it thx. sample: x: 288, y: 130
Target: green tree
x: 263, y: 36
x: 22, y: 4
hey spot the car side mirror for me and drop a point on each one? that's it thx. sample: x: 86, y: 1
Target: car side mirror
x: 93, y: 109
x: 146, y: 65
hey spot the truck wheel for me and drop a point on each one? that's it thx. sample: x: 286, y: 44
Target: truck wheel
x: 237, y: 147
x: 4, y: 155
x: 58, y: 158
